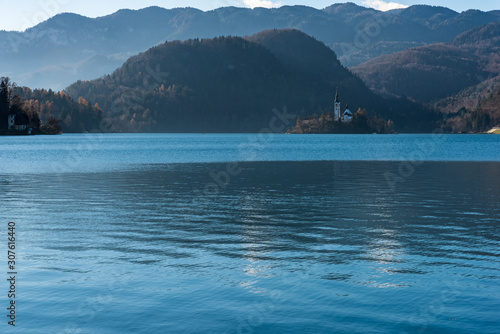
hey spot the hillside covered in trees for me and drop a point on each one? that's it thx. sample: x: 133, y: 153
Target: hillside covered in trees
x: 72, y: 116
x: 45, y: 111
x: 231, y: 84
x: 475, y: 118
x: 12, y: 105
x: 458, y: 79
x: 430, y: 73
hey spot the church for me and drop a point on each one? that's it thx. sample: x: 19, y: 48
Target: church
x: 344, y: 117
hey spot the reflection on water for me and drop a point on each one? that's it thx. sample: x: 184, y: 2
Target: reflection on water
x: 295, y: 247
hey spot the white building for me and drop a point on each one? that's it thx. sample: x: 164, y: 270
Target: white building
x: 12, y: 122
x: 14, y: 126
x: 347, y: 115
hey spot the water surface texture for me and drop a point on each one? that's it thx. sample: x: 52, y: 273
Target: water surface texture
x: 97, y: 152
x: 160, y: 234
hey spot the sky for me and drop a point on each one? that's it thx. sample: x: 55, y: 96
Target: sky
x: 20, y: 15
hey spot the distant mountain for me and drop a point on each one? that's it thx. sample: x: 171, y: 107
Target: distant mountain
x: 55, y: 53
x: 430, y: 73
x: 231, y: 84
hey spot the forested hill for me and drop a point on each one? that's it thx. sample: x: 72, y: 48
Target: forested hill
x: 460, y: 78
x: 433, y: 72
x: 231, y: 84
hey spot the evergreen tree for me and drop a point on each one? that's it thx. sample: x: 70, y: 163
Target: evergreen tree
x: 4, y: 103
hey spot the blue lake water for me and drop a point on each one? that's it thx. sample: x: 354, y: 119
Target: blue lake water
x: 155, y: 233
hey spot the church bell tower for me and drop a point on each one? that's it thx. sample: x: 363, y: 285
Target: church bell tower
x: 337, y: 112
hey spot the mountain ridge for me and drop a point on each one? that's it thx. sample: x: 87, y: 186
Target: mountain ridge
x: 434, y: 72
x: 60, y: 42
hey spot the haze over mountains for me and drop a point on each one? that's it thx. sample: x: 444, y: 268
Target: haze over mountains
x: 461, y: 79
x: 231, y: 84
x: 69, y: 47
x: 436, y: 71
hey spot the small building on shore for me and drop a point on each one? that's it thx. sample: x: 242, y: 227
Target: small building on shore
x: 17, y: 124
x: 12, y: 122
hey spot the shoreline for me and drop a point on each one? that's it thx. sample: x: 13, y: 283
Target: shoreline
x: 6, y: 133
x: 19, y: 134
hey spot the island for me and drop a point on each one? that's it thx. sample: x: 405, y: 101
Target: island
x: 342, y: 122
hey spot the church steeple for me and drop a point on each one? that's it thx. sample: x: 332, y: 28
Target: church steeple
x: 336, y: 112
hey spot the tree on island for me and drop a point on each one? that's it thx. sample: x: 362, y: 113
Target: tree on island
x: 52, y: 127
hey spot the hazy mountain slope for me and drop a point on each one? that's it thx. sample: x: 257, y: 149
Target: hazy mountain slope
x: 436, y: 71
x: 230, y: 84
x: 483, y: 42
x: 479, y: 118
x: 356, y: 34
x: 88, y: 69
x: 491, y: 106
x: 470, y: 98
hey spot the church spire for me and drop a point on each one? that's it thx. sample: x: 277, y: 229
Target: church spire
x: 337, y: 114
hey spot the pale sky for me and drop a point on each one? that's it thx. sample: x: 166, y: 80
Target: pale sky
x: 20, y: 15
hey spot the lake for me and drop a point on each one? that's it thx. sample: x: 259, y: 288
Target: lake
x: 162, y: 233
